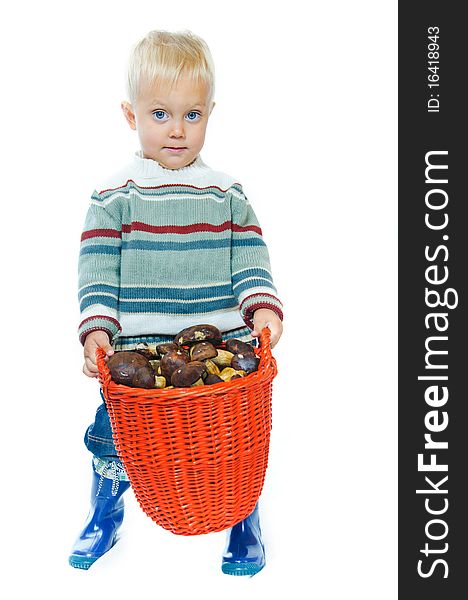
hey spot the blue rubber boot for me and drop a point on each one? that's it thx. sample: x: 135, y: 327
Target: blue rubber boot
x: 105, y: 517
x: 244, y: 553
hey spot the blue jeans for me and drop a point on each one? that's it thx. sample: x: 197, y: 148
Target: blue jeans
x: 98, y: 437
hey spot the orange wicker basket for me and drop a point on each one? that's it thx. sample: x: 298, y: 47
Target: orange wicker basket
x: 196, y: 457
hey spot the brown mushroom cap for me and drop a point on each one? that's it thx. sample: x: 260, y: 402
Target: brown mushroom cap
x: 245, y: 362
x: 211, y: 379
x: 124, y: 366
x: 236, y: 347
x: 188, y: 374
x: 199, y: 333
x: 171, y: 361
x: 166, y: 347
x: 144, y: 378
x: 203, y: 351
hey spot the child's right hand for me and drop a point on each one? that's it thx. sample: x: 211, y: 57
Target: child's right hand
x: 95, y: 339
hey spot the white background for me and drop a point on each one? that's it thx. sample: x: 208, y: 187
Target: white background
x: 306, y: 121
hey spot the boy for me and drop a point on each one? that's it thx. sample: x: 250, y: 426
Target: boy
x: 168, y: 243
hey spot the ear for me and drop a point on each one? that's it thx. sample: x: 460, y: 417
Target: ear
x: 128, y: 114
x: 212, y: 106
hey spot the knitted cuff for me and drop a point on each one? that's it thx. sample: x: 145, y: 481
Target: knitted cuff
x: 261, y: 300
x: 99, y: 323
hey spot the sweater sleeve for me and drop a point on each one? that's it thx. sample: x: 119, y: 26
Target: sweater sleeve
x: 252, y: 280
x: 99, y: 270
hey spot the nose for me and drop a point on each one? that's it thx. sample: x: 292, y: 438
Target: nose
x: 177, y: 130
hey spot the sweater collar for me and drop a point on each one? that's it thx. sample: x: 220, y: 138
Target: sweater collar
x: 147, y: 167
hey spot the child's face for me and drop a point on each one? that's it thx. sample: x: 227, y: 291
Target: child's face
x: 171, y: 123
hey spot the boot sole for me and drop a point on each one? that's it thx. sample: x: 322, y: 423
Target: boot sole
x: 241, y: 569
x: 82, y: 562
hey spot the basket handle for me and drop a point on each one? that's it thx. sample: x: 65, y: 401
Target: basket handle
x: 104, y: 371
x: 268, y: 361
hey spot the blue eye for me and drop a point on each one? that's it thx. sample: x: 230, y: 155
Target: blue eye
x: 192, y: 115
x: 159, y: 114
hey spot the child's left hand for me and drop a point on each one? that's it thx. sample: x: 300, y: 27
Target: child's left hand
x: 264, y: 317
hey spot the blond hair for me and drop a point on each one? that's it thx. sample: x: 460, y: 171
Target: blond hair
x: 162, y: 56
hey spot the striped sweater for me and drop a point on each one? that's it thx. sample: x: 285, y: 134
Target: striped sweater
x: 165, y: 249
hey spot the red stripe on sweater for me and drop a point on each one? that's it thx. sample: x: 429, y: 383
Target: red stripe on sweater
x: 184, y: 229
x: 100, y: 233
x: 155, y: 187
x: 236, y: 227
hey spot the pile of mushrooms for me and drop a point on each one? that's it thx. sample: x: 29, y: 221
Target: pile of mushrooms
x: 195, y: 357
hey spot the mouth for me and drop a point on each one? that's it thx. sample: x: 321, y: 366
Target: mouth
x: 175, y: 149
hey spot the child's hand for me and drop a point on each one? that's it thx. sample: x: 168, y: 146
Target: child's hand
x: 95, y: 339
x: 264, y: 317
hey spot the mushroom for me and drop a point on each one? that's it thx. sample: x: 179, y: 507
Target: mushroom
x: 166, y: 347
x: 211, y: 379
x: 203, y: 351
x: 188, y: 374
x: 227, y: 373
x: 246, y: 362
x: 155, y: 364
x: 236, y: 347
x: 125, y: 369
x: 171, y: 361
x: 144, y: 378
x: 160, y: 382
x: 199, y: 333
x: 223, y: 359
x: 211, y: 367
x: 239, y: 374
x: 148, y: 350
